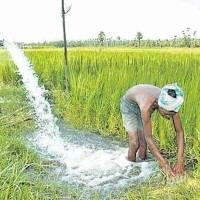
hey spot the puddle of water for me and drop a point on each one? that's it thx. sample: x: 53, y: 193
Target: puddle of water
x: 97, y: 163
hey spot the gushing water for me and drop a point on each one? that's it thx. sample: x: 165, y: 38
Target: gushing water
x: 87, y: 162
x: 46, y: 122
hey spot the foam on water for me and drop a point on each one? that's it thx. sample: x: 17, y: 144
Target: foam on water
x: 86, y: 164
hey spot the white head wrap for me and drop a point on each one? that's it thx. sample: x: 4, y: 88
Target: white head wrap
x: 168, y: 102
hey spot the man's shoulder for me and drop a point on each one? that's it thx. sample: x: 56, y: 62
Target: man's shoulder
x: 144, y: 95
x: 146, y: 86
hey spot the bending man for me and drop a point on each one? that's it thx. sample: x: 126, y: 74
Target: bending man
x: 137, y: 106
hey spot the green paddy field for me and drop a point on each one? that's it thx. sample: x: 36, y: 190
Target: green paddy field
x: 98, y: 77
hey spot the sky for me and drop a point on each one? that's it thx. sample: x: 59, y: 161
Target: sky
x: 41, y: 20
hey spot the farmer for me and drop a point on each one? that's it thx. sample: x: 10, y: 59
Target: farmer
x: 137, y: 106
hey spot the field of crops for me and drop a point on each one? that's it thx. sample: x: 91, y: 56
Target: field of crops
x: 98, y: 78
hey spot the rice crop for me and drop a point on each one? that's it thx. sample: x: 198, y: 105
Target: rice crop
x: 99, y: 77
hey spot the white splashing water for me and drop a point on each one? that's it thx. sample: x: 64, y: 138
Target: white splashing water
x: 95, y: 168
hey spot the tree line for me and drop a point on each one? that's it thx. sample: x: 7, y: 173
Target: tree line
x: 188, y: 39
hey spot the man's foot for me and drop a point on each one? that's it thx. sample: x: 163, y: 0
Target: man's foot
x: 131, y: 159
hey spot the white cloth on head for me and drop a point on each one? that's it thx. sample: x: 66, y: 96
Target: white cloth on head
x: 168, y: 102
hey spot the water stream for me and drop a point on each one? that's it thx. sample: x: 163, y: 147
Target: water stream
x: 89, y: 159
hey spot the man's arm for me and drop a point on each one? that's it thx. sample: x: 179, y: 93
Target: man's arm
x: 152, y: 146
x: 179, y: 166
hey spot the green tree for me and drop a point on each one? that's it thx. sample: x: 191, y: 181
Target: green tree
x: 139, y: 37
x: 102, y: 38
x: 175, y: 40
x: 194, y: 39
x: 187, y: 37
x: 118, y: 38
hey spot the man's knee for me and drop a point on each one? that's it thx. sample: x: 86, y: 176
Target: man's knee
x: 142, y: 139
x: 134, y: 140
x: 143, y: 144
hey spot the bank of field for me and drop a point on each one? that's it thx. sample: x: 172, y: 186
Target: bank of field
x: 99, y: 77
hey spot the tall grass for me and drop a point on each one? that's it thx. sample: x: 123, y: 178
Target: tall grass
x: 25, y: 176
x: 98, y: 78
x: 7, y: 69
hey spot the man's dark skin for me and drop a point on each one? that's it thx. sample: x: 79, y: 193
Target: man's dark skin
x: 146, y: 96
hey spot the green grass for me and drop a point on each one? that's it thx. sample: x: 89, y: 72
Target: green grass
x: 23, y: 174
x: 98, y: 78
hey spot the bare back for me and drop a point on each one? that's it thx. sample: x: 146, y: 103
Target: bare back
x: 144, y: 95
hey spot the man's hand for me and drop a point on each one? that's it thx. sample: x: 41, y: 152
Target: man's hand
x: 178, y: 169
x: 169, y: 172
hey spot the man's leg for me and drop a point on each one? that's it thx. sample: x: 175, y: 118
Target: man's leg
x: 133, y: 145
x: 142, y: 151
x: 129, y: 113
